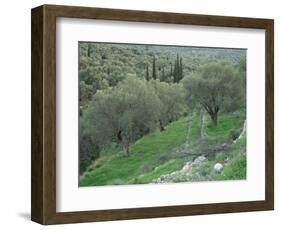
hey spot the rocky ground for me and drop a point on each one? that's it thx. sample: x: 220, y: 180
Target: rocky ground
x: 189, y: 173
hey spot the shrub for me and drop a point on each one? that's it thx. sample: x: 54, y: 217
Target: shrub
x: 83, y: 166
x: 234, y: 133
x: 88, y: 150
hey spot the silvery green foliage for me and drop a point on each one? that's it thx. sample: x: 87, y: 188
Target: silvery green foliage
x: 124, y: 113
x: 171, y: 98
x: 217, y: 86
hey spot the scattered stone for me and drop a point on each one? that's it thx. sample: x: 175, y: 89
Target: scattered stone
x: 200, y: 159
x: 218, y: 167
x: 186, y: 167
x: 224, y: 145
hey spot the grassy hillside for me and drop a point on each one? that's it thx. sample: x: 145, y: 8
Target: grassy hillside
x: 165, y: 152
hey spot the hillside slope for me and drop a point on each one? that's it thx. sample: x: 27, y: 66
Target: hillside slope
x: 156, y: 156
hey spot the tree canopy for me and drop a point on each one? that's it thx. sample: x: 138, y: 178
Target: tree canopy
x: 216, y: 86
x: 124, y: 113
x: 171, y: 98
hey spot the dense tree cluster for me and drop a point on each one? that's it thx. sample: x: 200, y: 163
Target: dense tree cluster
x: 132, y: 109
x: 105, y: 65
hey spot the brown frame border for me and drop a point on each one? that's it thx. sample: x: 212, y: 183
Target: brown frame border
x: 43, y: 95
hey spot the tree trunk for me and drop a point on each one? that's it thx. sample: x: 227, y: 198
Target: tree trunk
x: 124, y: 143
x: 162, y: 128
x: 89, y: 51
x: 214, y: 117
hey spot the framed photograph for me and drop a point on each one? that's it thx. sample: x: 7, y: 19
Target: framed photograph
x: 140, y: 114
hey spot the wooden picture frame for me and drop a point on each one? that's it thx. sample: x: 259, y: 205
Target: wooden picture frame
x: 43, y: 207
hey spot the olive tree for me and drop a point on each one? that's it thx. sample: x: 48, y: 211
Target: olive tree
x: 171, y: 98
x: 215, y: 87
x: 123, y: 113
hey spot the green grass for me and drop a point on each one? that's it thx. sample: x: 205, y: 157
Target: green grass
x: 226, y: 123
x: 165, y: 168
x: 154, y: 154
x: 235, y: 170
x: 237, y: 149
x: 233, y: 159
x: 194, y: 129
x: 114, y: 166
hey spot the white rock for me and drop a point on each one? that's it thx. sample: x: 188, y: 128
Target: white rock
x: 200, y: 159
x: 218, y: 167
x: 186, y: 167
